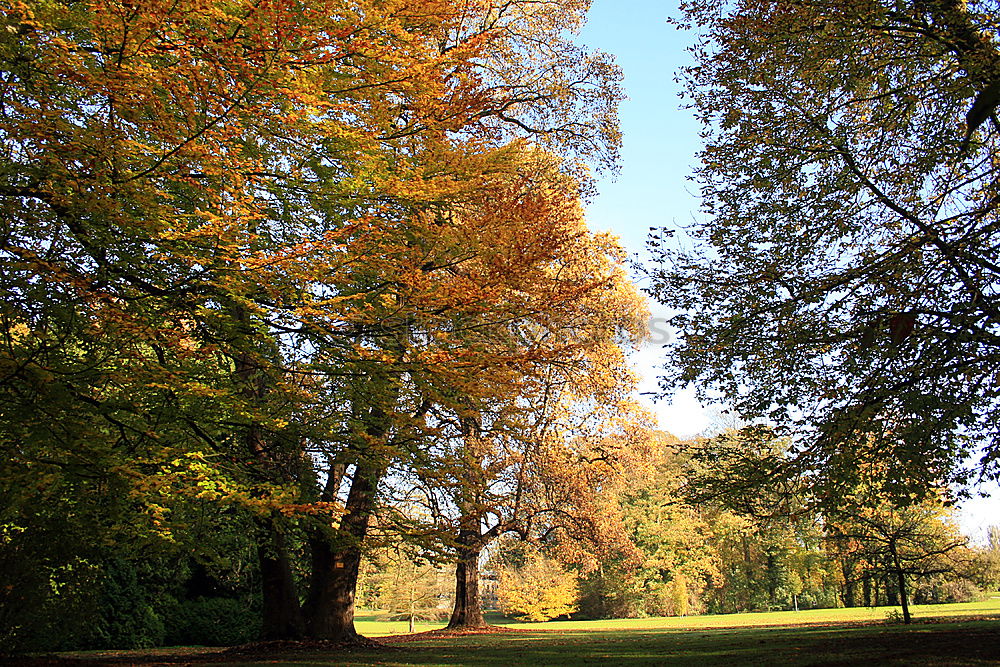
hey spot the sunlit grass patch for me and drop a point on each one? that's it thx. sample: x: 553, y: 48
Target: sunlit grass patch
x: 368, y: 624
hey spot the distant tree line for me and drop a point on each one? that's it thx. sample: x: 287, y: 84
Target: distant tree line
x: 704, y: 547
x: 693, y: 550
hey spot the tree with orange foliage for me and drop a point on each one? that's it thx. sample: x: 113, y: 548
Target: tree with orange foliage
x: 538, y: 443
x: 252, y: 207
x: 521, y: 297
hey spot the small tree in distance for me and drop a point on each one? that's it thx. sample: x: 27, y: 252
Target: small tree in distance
x: 905, y: 542
x: 679, y: 595
x: 408, y: 588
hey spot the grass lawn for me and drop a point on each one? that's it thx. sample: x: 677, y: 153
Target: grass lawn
x: 370, y: 627
x: 943, y: 635
x: 937, y: 645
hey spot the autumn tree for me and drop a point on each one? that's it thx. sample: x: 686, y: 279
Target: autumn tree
x: 518, y: 329
x: 843, y: 284
x: 228, y: 218
x: 512, y: 284
x: 531, y: 452
x: 555, y: 482
x: 673, y: 550
x: 533, y: 586
x: 904, y: 543
x: 770, y: 563
x: 710, y: 534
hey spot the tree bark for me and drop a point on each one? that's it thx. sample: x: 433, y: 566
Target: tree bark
x: 849, y: 595
x: 336, y: 560
x: 468, y: 612
x: 282, y: 615
x: 329, y: 610
x: 891, y: 591
x: 901, y: 581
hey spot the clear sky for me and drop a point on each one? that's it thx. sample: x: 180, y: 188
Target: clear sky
x: 660, y: 142
x: 660, y: 139
x: 653, y: 190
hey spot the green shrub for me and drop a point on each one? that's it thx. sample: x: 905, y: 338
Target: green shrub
x: 46, y: 608
x: 126, y: 618
x: 210, y: 621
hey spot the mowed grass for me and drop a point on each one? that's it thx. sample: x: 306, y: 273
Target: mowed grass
x: 942, y: 636
x: 368, y: 625
x: 937, y: 643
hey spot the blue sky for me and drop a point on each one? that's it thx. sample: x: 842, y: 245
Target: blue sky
x: 652, y: 190
x: 660, y: 142
x: 659, y: 139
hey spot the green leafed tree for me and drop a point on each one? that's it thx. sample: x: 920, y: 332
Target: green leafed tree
x: 844, y: 280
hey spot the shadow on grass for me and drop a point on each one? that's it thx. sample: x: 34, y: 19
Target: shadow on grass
x: 937, y: 644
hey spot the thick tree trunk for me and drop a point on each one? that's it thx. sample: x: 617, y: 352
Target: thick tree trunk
x: 282, y: 616
x: 468, y: 612
x: 336, y: 559
x: 330, y: 607
x: 849, y: 595
x: 281, y: 613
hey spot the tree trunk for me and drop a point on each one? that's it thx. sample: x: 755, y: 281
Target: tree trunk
x: 330, y: 608
x: 468, y: 612
x: 849, y: 595
x: 890, y: 589
x: 901, y: 580
x: 282, y: 615
x: 336, y: 559
x: 902, y: 597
